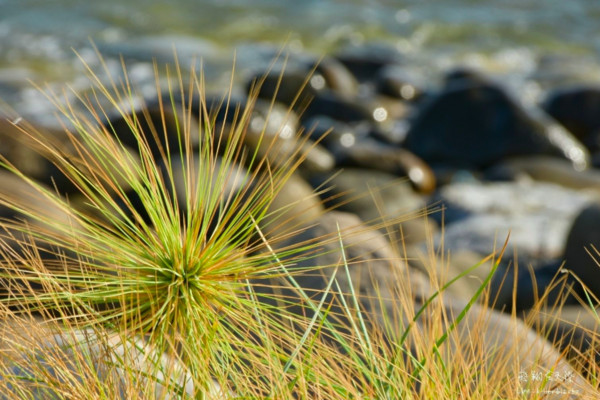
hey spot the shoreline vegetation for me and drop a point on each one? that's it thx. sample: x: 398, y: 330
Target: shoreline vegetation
x: 177, y: 251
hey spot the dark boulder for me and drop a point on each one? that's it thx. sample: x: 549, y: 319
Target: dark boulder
x: 580, y: 250
x: 465, y: 76
x: 530, y: 286
x: 578, y: 109
x: 476, y: 125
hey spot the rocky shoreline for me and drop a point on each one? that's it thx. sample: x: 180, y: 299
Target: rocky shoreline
x: 383, y: 147
x: 492, y: 162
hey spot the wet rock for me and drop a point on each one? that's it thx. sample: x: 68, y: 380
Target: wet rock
x: 121, y: 158
x: 398, y: 83
x: 30, y: 199
x: 577, y: 109
x: 272, y: 128
x: 527, y: 354
x: 335, y: 134
x: 295, y: 205
x: 446, y: 175
x: 560, y: 69
x: 416, y: 228
x: 227, y: 106
x: 372, y: 154
x: 33, y: 149
x: 537, y: 215
x: 504, y: 172
x: 443, y: 266
x: 393, y: 133
x: 386, y: 109
x: 457, y: 263
x: 273, y: 119
x: 477, y: 125
x: 337, y: 77
x: 344, y: 139
x: 231, y: 184
x: 261, y: 118
x: 315, y: 158
x: 299, y: 84
x: 580, y: 254
x: 596, y: 160
x: 532, y: 283
x: 273, y: 133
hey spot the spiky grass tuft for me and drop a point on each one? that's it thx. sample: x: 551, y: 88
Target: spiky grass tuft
x: 172, y: 269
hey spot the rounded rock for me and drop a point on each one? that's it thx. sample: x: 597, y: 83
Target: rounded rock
x: 372, y: 154
x: 477, y: 125
x: 577, y: 109
x: 295, y: 88
x: 480, y: 216
x: 580, y: 249
x: 372, y: 195
x: 337, y: 77
x: 349, y: 110
x: 295, y: 206
x: 399, y: 84
x: 547, y: 169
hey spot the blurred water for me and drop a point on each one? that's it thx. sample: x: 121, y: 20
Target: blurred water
x: 39, y: 38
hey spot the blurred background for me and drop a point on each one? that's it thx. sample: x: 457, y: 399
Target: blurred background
x: 530, y: 44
